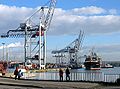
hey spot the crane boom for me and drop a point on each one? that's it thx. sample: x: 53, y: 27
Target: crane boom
x: 50, y: 14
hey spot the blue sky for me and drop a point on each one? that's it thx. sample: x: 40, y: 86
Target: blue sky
x: 99, y: 19
x: 66, y: 4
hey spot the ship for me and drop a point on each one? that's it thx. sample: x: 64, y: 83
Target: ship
x: 107, y: 66
x: 92, y: 62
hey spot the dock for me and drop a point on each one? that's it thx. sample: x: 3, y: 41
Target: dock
x: 47, y: 84
x: 10, y: 83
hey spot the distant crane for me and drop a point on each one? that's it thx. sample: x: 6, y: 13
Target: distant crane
x: 34, y: 31
x: 72, y: 49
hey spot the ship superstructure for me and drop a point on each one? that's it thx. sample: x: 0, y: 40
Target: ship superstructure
x: 92, y: 62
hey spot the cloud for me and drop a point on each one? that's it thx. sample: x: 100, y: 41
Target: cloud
x: 12, y: 45
x: 18, y: 44
x: 92, y: 19
x: 89, y: 10
x: 105, y: 51
x: 104, y: 48
x: 71, y: 24
x: 108, y: 51
x: 12, y: 16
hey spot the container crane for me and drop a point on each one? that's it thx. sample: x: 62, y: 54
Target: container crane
x: 34, y: 31
x: 72, y: 49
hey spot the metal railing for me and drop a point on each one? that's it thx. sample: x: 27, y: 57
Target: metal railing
x: 111, y: 77
x: 74, y: 76
x: 92, y: 76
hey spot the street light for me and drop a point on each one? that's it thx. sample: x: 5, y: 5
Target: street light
x: 10, y: 53
x: 3, y: 50
x: 6, y: 53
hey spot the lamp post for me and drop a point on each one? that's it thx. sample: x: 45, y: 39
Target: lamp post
x: 3, y: 50
x: 9, y: 53
x: 6, y: 53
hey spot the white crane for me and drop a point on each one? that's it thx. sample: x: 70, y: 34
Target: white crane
x: 34, y: 31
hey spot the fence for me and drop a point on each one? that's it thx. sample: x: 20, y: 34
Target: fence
x: 75, y: 76
x: 111, y: 77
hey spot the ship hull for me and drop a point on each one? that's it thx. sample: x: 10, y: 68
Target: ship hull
x: 92, y: 65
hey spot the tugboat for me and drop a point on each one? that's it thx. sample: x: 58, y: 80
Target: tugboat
x: 107, y: 66
x: 92, y: 62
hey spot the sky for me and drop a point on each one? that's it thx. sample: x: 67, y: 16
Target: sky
x: 99, y: 19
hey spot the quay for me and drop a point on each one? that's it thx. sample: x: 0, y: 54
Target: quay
x: 10, y: 83
x: 47, y: 84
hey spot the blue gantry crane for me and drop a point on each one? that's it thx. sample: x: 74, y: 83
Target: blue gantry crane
x: 72, y: 49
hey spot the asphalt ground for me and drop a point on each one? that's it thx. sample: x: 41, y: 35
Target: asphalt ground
x: 10, y: 83
x: 16, y: 87
x: 31, y: 84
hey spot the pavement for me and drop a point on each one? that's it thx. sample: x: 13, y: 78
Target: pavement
x: 10, y: 83
x: 30, y: 84
x: 15, y: 87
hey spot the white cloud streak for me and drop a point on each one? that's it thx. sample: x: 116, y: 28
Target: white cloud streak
x: 12, y: 45
x: 91, y: 10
